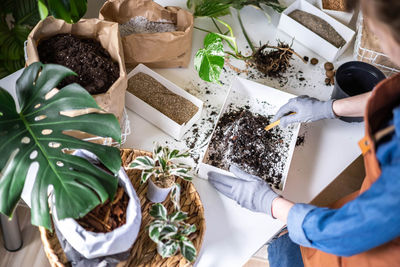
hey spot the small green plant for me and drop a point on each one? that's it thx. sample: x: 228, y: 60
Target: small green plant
x: 163, y: 166
x: 171, y: 233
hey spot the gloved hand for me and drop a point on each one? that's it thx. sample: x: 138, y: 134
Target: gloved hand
x: 307, y: 109
x: 247, y: 190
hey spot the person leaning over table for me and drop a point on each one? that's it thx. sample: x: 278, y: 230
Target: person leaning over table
x: 362, y: 229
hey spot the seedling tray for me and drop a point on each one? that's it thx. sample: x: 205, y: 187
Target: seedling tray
x: 262, y: 100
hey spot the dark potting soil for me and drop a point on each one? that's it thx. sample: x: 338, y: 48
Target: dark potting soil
x: 273, y: 61
x: 174, y: 106
x: 93, y: 64
x: 318, y: 26
x: 300, y: 140
x: 240, y: 139
x: 108, y: 216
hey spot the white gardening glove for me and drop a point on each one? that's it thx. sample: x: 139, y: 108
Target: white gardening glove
x: 247, y: 190
x: 307, y: 109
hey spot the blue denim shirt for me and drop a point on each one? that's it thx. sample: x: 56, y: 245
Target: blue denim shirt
x: 370, y: 220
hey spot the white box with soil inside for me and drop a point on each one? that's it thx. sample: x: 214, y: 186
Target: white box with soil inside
x: 316, y: 30
x: 161, y: 102
x: 239, y: 137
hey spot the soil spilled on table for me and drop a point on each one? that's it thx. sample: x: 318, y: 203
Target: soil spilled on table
x: 108, y: 216
x: 174, y: 106
x: 240, y: 139
x: 93, y: 64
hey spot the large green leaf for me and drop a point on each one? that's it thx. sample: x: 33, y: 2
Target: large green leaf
x: 69, y: 10
x: 209, y: 60
x: 36, y: 134
x: 26, y: 12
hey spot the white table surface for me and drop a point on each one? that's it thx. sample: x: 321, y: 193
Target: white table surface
x: 234, y: 234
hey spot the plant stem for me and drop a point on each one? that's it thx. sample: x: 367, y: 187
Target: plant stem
x: 200, y: 29
x: 245, y: 33
x: 216, y: 25
x: 238, y: 56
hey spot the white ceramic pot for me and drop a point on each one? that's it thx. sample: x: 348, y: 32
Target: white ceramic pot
x: 156, y: 194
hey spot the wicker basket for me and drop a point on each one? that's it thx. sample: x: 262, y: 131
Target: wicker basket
x: 367, y: 49
x: 143, y: 251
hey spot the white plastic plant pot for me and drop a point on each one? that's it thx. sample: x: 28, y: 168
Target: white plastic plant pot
x: 155, y: 193
x: 310, y: 39
x: 154, y: 116
x: 93, y: 245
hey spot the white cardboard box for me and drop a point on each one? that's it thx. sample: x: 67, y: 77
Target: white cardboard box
x: 153, y: 115
x: 242, y: 90
x: 342, y: 16
x: 310, y: 39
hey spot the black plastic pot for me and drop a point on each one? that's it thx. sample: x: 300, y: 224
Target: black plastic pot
x: 354, y: 78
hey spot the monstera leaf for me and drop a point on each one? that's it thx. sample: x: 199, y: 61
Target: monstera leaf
x: 36, y: 134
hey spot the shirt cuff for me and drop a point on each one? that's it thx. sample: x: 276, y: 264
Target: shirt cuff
x: 295, y: 221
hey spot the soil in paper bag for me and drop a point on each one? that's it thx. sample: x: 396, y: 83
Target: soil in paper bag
x: 93, y: 64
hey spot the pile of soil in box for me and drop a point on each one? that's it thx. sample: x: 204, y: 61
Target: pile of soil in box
x: 319, y: 27
x: 108, y: 216
x: 174, y: 106
x: 240, y: 139
x: 93, y: 64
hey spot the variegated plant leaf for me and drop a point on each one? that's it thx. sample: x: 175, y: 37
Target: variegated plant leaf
x: 188, y: 250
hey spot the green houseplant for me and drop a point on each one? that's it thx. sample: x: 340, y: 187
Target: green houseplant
x: 161, y: 170
x: 38, y: 133
x: 209, y: 60
x: 18, y: 17
x: 171, y: 233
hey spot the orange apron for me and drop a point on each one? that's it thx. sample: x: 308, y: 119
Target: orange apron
x: 384, y: 98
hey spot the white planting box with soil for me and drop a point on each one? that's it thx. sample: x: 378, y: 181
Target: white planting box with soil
x: 248, y: 108
x: 153, y: 115
x: 310, y: 39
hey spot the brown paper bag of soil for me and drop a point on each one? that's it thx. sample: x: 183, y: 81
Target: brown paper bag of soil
x: 156, y: 50
x: 113, y: 101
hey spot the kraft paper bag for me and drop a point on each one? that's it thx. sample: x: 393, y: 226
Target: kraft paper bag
x: 112, y: 101
x: 155, y: 50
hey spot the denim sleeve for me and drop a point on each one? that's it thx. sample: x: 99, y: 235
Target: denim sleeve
x: 368, y: 221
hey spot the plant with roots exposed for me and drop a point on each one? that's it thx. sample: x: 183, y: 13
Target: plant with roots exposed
x: 209, y: 60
